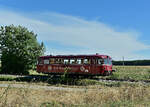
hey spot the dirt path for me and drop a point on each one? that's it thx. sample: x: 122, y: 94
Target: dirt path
x: 37, y: 87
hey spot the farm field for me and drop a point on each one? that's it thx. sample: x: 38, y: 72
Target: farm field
x: 134, y: 73
x: 95, y: 93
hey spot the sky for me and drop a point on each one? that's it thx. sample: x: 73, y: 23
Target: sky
x: 118, y: 28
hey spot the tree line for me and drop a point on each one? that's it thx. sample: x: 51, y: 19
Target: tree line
x: 133, y: 62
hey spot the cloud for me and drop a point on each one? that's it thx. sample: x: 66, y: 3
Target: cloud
x: 76, y: 35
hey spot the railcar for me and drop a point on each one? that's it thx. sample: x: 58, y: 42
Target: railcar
x: 93, y: 65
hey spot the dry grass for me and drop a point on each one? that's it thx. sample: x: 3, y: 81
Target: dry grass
x: 101, y: 97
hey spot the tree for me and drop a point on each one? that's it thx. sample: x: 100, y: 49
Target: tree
x: 19, y: 49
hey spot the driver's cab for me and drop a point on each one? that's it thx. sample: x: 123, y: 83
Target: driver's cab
x: 106, y: 64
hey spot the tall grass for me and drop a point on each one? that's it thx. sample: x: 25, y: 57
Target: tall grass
x: 100, y: 97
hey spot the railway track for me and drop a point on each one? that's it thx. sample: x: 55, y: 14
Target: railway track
x: 38, y: 77
x: 127, y: 81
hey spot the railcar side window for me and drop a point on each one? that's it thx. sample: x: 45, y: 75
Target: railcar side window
x: 52, y: 60
x: 79, y: 61
x: 61, y: 61
x: 46, y: 61
x: 100, y: 61
x: 40, y: 61
x: 66, y: 61
x: 56, y: 61
x: 72, y: 61
x: 86, y: 61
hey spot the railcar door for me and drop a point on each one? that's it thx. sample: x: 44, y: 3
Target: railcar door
x: 87, y: 66
x: 93, y: 70
x: 96, y: 66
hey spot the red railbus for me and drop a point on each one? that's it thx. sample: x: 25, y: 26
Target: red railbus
x: 75, y: 64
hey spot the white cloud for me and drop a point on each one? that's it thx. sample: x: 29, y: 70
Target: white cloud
x: 90, y: 36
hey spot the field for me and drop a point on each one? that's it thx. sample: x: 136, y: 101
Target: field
x: 132, y: 73
x: 94, y: 93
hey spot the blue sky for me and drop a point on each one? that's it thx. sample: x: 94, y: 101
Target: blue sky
x: 114, y: 27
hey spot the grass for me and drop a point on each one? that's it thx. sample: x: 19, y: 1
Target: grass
x: 102, y: 96
x: 133, y: 73
x: 4, y: 78
x: 51, y: 80
x: 33, y: 72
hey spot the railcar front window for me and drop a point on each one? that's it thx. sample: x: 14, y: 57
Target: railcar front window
x: 105, y: 61
x: 110, y: 61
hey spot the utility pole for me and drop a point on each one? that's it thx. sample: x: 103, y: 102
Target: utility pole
x: 123, y: 60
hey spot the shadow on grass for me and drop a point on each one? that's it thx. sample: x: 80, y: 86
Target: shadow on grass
x: 52, y: 80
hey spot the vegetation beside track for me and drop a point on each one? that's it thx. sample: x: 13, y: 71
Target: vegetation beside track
x: 131, y: 73
x: 105, y: 94
x: 124, y: 73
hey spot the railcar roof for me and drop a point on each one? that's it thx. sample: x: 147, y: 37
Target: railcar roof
x: 75, y: 56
